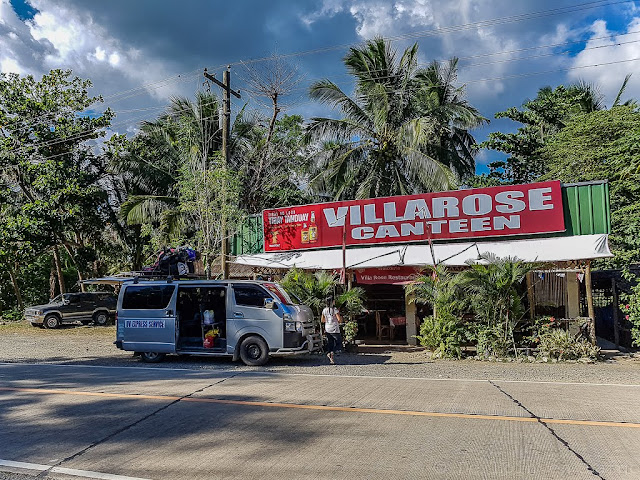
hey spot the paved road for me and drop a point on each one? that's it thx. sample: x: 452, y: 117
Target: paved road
x: 70, y: 421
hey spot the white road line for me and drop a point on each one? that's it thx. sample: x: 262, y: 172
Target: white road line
x: 329, y: 375
x: 66, y: 471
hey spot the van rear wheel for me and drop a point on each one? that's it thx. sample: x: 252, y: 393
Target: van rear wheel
x: 254, y: 351
x: 152, y: 357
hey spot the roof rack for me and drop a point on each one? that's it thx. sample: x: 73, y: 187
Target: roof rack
x: 136, y: 277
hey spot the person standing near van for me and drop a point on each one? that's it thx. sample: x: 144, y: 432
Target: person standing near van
x: 332, y: 319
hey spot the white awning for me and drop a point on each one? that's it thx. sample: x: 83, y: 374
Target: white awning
x: 554, y: 249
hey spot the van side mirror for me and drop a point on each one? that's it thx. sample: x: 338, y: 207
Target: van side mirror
x: 270, y: 304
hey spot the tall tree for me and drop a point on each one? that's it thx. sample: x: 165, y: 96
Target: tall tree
x: 404, y: 131
x: 45, y: 161
x: 604, y: 145
x: 545, y: 115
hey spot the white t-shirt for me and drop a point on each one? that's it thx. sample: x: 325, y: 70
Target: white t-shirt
x: 330, y: 316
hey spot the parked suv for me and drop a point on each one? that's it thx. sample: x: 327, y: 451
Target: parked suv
x: 97, y: 307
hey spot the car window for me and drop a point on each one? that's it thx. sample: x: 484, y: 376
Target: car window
x: 250, y: 295
x: 72, y: 299
x: 147, y: 297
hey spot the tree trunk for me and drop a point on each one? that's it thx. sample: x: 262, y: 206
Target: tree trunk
x: 52, y: 280
x: 75, y: 264
x: 56, y: 259
x: 16, y: 288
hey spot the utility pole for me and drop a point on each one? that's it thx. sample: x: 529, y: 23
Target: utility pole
x: 226, y: 132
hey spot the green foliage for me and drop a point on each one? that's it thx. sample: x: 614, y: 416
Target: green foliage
x: 492, y: 288
x: 208, y: 195
x: 313, y: 288
x: 442, y: 335
x: 546, y: 114
x: 404, y: 131
x: 560, y: 345
x: 443, y: 332
x: 350, y: 329
x: 604, y: 145
x: 632, y: 313
x: 51, y: 193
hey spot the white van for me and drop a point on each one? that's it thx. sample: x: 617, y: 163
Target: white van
x: 248, y: 320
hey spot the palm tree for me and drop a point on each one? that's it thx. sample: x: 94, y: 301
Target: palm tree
x: 492, y: 288
x: 188, y: 131
x: 403, y: 132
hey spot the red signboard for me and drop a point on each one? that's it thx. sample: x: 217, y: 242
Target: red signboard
x: 473, y: 213
x: 387, y: 275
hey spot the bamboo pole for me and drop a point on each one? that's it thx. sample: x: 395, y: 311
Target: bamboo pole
x: 591, y: 310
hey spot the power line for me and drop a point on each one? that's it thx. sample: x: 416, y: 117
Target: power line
x: 453, y: 28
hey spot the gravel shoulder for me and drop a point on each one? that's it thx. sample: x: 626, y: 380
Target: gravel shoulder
x: 89, y: 345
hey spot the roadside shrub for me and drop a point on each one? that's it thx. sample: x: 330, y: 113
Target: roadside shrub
x: 13, y: 315
x: 490, y: 342
x: 350, y: 329
x: 632, y: 314
x: 442, y: 335
x: 560, y: 345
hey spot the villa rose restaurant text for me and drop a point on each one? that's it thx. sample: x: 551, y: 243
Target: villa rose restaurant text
x: 382, y: 244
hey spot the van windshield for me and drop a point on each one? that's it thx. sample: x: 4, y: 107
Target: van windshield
x: 282, y: 295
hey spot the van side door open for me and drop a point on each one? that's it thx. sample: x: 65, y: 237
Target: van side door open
x: 201, y: 312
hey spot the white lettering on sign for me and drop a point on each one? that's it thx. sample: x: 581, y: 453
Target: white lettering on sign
x: 445, y: 207
x: 482, y: 224
x: 513, y: 222
x: 144, y: 324
x: 508, y: 202
x: 362, y: 233
x: 336, y: 218
x: 477, y: 204
x: 492, y: 211
x: 538, y: 198
x: 416, y: 209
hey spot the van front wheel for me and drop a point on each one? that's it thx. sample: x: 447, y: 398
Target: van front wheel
x: 254, y: 351
x: 152, y: 357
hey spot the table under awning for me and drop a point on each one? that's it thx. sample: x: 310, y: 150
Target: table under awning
x: 547, y: 250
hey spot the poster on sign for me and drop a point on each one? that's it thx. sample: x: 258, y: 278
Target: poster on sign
x: 473, y: 213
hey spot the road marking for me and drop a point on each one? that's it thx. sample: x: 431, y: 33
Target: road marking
x: 67, y: 471
x: 267, y: 372
x: 413, y: 413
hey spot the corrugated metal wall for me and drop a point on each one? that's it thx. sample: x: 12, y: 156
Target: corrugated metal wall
x: 250, y: 239
x: 586, y: 208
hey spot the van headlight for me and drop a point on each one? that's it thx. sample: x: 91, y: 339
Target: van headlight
x: 299, y: 326
x: 289, y: 324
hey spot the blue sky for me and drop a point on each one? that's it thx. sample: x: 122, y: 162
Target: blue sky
x: 140, y: 53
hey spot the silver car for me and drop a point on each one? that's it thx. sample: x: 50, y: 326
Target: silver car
x: 247, y: 320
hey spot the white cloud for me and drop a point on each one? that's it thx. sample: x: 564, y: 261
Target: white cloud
x: 616, y: 53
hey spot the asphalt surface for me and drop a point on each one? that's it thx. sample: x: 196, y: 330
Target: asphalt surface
x: 69, y: 413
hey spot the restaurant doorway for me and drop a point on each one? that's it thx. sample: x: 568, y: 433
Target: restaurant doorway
x: 384, y: 320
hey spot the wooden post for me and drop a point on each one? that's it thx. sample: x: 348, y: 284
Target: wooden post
x: 591, y: 311
x: 616, y: 325
x: 531, y: 296
x: 226, y: 133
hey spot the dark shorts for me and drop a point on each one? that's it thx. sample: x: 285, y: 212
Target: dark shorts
x: 334, y: 342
